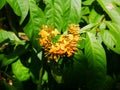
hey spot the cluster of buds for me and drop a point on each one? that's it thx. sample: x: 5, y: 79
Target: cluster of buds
x: 66, y: 45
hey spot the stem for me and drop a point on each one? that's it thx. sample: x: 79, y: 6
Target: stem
x: 39, y: 86
x: 7, y: 75
x: 91, y: 26
x: 6, y: 68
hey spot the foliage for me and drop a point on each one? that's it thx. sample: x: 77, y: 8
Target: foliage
x: 88, y: 60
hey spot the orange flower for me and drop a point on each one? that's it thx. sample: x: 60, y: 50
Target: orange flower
x: 73, y: 29
x: 55, y: 32
x: 43, y: 33
x: 66, y: 45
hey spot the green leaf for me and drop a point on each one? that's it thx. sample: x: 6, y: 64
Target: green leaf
x: 96, y: 63
x: 5, y: 60
x: 88, y: 27
x: 54, y: 12
x: 85, y: 10
x: 24, y: 7
x: 60, y: 13
x: 110, y: 41
x: 110, y: 81
x: 21, y: 72
x: 117, y: 2
x: 45, y: 77
x: 88, y: 2
x: 75, y: 11
x: 58, y: 78
x: 9, y: 57
x: 35, y: 21
x: 35, y: 66
x: 111, y: 37
x: 94, y: 17
x: 114, y: 29
x: 110, y: 9
x: 20, y: 7
x: 2, y: 3
x: 74, y: 71
x: 4, y: 35
x: 39, y: 55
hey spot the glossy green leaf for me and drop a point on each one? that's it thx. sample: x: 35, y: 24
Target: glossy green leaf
x: 117, y: 2
x: 21, y: 72
x: 114, y: 29
x: 88, y: 2
x: 24, y: 7
x: 60, y: 13
x: 88, y: 27
x: 45, y: 77
x: 85, y: 10
x: 94, y: 17
x: 4, y: 35
x: 96, y: 63
x: 75, y: 11
x: 35, y: 21
x: 54, y: 12
x: 20, y: 7
x: 40, y: 55
x: 2, y: 3
x: 110, y: 8
x: 110, y: 41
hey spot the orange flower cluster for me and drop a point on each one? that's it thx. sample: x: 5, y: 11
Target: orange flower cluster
x: 66, y: 44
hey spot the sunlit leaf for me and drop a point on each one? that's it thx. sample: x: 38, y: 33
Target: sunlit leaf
x: 117, y: 2
x: 21, y: 72
x: 4, y: 35
x: 24, y: 7
x: 20, y: 8
x: 60, y: 13
x: 112, y: 37
x: 54, y: 12
x: 114, y: 29
x: 2, y: 3
x: 88, y: 2
x: 35, y: 21
x: 45, y: 77
x: 94, y: 17
x: 84, y: 11
x: 75, y: 11
x: 88, y: 27
x: 96, y: 63
x: 110, y: 8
